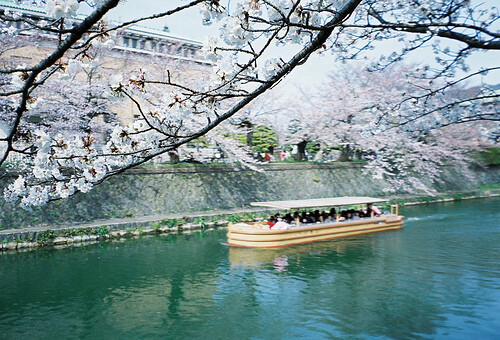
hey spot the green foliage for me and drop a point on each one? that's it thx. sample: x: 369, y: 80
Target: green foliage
x: 489, y: 187
x: 172, y: 222
x: 248, y: 216
x: 45, y: 236
x: 200, y: 142
x: 201, y: 221
x: 312, y: 148
x: 215, y: 218
x: 262, y: 138
x: 102, y: 230
x: 491, y: 156
x: 240, y: 137
x: 69, y: 232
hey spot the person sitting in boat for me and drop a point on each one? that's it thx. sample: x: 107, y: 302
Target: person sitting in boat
x: 326, y: 217
x: 306, y: 217
x: 376, y: 210
x: 288, y: 218
x: 271, y: 221
x: 310, y: 217
x: 280, y: 225
x: 317, y: 216
x: 332, y: 215
x: 372, y: 209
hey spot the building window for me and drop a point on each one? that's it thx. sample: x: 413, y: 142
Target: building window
x: 153, y: 46
x: 126, y: 41
x: 134, y: 43
x: 142, y: 44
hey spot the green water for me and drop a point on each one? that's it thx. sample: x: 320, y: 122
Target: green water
x: 438, y: 278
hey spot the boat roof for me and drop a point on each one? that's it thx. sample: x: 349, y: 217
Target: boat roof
x: 319, y: 202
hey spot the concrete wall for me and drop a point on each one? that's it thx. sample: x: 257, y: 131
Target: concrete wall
x: 157, y: 190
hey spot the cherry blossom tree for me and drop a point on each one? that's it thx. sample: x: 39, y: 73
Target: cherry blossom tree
x: 401, y: 140
x: 261, y: 41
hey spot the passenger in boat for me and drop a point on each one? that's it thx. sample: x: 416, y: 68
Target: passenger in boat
x: 317, y: 216
x: 326, y: 217
x: 306, y: 217
x: 271, y: 221
x: 280, y: 225
x: 288, y: 218
x: 370, y: 208
x: 310, y: 218
x: 333, y: 214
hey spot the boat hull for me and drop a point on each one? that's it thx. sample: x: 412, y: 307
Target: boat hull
x: 245, y: 235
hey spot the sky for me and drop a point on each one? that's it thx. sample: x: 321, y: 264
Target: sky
x: 189, y: 24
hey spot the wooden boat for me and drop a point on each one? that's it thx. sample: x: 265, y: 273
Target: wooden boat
x: 258, y: 234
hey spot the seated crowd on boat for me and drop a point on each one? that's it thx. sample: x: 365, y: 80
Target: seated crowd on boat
x: 309, y: 225
x: 283, y: 222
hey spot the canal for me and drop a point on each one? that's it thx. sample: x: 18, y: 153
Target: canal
x: 438, y: 278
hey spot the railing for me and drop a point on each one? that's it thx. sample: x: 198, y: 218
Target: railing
x: 394, y: 212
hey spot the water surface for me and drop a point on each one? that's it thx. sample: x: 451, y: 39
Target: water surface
x: 438, y: 278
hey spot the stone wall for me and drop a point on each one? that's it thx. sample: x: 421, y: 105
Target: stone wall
x: 159, y: 190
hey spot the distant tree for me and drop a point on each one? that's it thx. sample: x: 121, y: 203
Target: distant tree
x: 263, y: 139
x: 404, y: 147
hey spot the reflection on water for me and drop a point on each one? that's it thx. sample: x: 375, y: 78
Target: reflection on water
x: 439, y: 277
x: 255, y: 257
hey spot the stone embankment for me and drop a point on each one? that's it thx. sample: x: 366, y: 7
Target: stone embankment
x: 151, y: 197
x: 82, y: 235
x: 27, y: 239
x: 169, y: 190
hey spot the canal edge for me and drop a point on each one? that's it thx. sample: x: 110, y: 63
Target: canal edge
x: 62, y: 236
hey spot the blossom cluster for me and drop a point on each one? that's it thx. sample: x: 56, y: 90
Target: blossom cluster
x: 61, y: 167
x: 62, y: 8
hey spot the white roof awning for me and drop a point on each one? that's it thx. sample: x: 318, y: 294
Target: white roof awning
x: 319, y: 202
